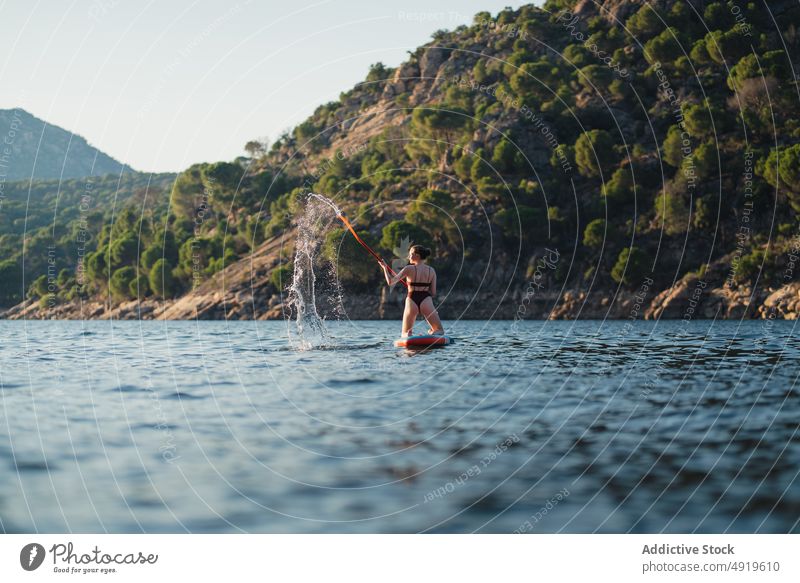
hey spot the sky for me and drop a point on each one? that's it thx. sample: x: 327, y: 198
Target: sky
x: 163, y: 85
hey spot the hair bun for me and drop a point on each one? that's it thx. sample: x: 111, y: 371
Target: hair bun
x: 421, y: 250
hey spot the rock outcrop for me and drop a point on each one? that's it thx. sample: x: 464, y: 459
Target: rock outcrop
x: 783, y: 303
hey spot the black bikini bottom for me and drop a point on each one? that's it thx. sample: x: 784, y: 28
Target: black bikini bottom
x: 418, y: 297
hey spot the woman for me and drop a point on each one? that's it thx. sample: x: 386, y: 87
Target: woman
x: 421, y: 280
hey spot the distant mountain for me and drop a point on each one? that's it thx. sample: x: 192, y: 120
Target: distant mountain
x: 31, y: 147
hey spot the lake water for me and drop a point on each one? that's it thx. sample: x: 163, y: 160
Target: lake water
x: 539, y: 427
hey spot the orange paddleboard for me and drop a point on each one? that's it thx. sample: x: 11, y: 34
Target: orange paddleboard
x: 426, y: 341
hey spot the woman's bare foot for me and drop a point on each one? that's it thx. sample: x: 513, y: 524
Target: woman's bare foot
x: 432, y: 332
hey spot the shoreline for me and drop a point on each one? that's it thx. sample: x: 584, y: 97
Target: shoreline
x: 682, y: 301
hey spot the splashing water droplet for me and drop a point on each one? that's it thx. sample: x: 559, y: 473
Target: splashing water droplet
x: 315, y: 284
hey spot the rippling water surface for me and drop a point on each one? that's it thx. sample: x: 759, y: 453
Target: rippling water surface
x: 539, y: 427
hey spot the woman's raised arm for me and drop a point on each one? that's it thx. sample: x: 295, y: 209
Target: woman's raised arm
x: 393, y: 279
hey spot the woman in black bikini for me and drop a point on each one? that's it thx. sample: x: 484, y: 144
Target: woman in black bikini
x: 421, y: 280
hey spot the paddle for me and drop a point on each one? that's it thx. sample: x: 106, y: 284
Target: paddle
x: 365, y: 246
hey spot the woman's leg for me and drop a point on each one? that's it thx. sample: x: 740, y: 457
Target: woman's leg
x: 409, y: 317
x: 430, y: 314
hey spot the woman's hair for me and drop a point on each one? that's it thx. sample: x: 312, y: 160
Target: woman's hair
x: 423, y: 252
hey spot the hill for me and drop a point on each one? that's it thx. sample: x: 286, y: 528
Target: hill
x: 583, y: 159
x: 32, y: 148
x: 48, y: 226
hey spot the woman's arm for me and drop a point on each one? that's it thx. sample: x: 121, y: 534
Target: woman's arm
x: 392, y: 280
x: 433, y: 285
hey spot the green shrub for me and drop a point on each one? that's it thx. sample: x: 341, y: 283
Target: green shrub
x: 726, y: 47
x: 480, y: 167
x: 532, y: 80
x: 96, y: 267
x: 523, y: 221
x: 121, y: 280
x: 123, y: 250
x: 463, y: 167
x: 644, y: 24
x: 490, y: 190
x: 594, y: 153
x: 705, y: 214
x: 699, y: 53
x: 781, y: 169
x: 672, y: 149
x: 680, y: 16
x: 631, y: 267
x: 162, y: 281
x: 432, y: 210
x: 436, y: 127
x: 281, y: 277
x: 64, y: 278
x: 150, y: 256
x: 770, y: 64
x: 595, y: 233
x: 398, y: 235
x: 479, y: 72
x: 197, y: 255
x: 39, y: 287
x: 748, y: 269
x: 620, y: 188
x: 706, y: 160
x: 703, y: 120
x: 619, y: 89
x: 595, y: 78
x: 717, y: 16
x: 672, y: 212
x: 139, y: 286
x: 10, y: 282
x: 577, y: 55
x: 664, y: 48
x: 503, y: 156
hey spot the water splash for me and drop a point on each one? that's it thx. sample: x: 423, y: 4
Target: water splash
x: 315, y: 284
x: 325, y: 200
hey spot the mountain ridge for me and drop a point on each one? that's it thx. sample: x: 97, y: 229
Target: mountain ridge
x: 33, y: 148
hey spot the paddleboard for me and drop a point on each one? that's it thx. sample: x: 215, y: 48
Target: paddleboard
x: 425, y: 341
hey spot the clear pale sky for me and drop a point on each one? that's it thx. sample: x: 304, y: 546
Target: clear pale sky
x: 162, y: 85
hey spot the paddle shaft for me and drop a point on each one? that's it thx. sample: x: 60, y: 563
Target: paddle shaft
x: 365, y: 246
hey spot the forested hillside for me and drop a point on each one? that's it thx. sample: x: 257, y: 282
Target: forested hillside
x: 629, y: 148
x: 50, y: 226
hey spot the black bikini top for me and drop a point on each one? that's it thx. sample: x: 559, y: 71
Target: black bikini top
x: 419, y: 283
